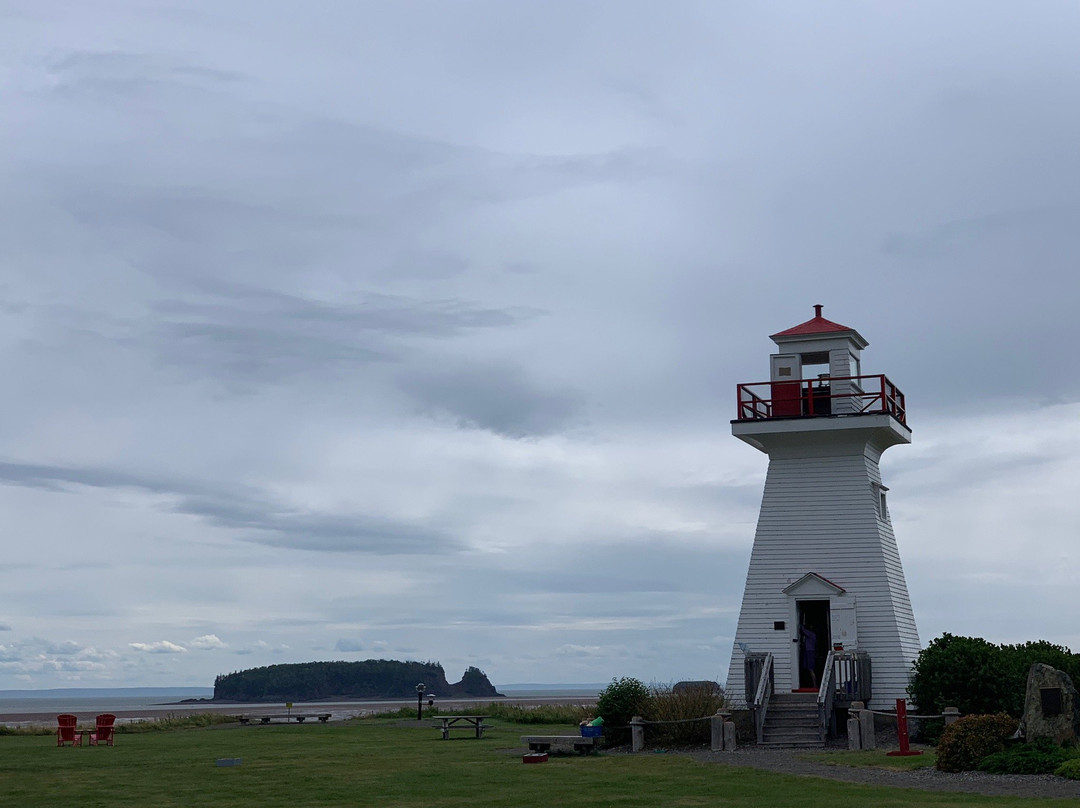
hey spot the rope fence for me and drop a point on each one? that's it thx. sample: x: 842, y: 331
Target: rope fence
x: 721, y: 731
x: 892, y: 714
x: 677, y: 721
x: 860, y: 734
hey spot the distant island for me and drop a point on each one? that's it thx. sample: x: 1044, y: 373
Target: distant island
x: 370, y: 679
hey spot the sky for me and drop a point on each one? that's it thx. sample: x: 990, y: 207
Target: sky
x: 411, y: 330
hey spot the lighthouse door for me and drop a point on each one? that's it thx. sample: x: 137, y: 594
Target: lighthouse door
x: 814, y: 641
x: 786, y: 388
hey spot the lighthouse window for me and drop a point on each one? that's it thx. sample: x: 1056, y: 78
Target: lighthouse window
x: 879, y: 500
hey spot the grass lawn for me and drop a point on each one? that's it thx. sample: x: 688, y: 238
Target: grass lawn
x: 874, y: 758
x: 381, y: 763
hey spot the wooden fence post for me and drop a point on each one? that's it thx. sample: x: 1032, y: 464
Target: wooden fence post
x: 637, y: 733
x: 723, y: 731
x: 854, y: 739
x: 716, y: 726
x: 729, y: 733
x: 866, y: 730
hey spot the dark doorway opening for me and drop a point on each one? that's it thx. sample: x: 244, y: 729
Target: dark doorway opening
x: 814, y: 641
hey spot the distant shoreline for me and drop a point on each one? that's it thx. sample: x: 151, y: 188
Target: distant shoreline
x: 340, y: 709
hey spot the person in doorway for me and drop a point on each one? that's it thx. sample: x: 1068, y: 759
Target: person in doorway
x: 808, y: 644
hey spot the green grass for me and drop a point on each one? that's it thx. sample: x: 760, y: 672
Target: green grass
x: 401, y: 765
x: 875, y: 758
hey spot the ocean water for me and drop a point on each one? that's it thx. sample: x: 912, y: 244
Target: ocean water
x: 19, y: 707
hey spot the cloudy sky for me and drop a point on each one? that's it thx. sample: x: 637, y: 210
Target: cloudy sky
x: 340, y: 330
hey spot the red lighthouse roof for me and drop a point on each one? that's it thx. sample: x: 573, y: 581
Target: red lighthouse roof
x: 815, y: 325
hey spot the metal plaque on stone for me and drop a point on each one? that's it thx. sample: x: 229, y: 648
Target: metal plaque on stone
x: 1051, y: 700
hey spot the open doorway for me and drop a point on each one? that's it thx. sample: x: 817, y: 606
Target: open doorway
x: 814, y: 641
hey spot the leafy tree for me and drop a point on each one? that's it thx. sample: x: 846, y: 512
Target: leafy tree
x: 1020, y: 658
x: 964, y: 672
x: 618, y: 703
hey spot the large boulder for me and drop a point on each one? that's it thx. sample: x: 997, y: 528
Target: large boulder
x: 1051, y: 705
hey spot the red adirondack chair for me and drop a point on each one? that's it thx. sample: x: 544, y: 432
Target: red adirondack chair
x: 103, y: 731
x: 66, y: 732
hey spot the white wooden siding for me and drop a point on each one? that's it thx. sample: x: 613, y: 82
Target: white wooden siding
x: 818, y: 514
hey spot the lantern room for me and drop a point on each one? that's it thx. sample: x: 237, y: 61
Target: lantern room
x: 817, y: 371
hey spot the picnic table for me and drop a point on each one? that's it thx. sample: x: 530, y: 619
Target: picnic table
x: 449, y: 722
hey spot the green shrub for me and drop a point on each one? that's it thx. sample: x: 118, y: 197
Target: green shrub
x: 400, y: 712
x: 515, y: 713
x: 689, y: 703
x: 539, y: 714
x: 618, y: 703
x: 1041, y: 756
x: 33, y: 729
x: 176, y: 721
x: 1070, y: 768
x: 979, y: 677
x: 968, y: 740
x: 965, y: 672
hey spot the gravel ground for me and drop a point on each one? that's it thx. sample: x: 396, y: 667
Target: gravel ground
x: 789, y: 761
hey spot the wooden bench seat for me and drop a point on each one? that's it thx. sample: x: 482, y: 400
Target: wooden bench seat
x: 299, y: 718
x: 543, y: 743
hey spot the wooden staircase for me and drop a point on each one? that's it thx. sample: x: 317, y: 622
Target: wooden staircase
x: 792, y: 720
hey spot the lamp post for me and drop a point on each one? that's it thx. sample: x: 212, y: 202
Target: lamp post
x: 420, y: 701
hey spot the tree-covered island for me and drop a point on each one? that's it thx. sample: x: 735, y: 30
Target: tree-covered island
x: 370, y: 679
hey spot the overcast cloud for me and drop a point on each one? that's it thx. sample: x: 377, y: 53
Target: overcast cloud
x: 356, y: 329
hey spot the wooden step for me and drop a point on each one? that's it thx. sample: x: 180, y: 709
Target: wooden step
x: 792, y: 721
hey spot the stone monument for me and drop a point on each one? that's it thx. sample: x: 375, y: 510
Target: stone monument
x: 1051, y: 705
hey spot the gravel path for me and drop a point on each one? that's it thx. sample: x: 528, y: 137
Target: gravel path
x: 789, y: 761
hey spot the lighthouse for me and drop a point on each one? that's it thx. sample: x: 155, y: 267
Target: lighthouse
x: 825, y: 612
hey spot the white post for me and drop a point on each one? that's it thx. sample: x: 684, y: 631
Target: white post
x: 866, y: 730
x: 729, y: 736
x: 637, y: 733
x: 854, y: 739
x: 717, y: 731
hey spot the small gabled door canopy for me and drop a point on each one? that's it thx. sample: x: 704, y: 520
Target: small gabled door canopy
x: 813, y: 584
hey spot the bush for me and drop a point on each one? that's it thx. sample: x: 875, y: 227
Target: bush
x: 32, y: 729
x: 1041, y: 756
x: 618, y: 703
x: 968, y: 740
x: 538, y: 714
x: 1070, y: 768
x: 689, y: 702
x: 965, y: 672
x: 979, y: 677
x: 1020, y: 658
x: 174, y: 721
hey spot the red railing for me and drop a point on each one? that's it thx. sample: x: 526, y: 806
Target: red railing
x: 809, y: 398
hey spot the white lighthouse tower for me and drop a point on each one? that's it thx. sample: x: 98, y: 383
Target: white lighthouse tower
x: 826, y: 608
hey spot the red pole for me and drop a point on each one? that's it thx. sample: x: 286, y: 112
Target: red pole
x: 902, y: 731
x: 901, y: 726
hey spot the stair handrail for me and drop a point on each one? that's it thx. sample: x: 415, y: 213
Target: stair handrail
x: 826, y: 696
x: 764, y: 691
